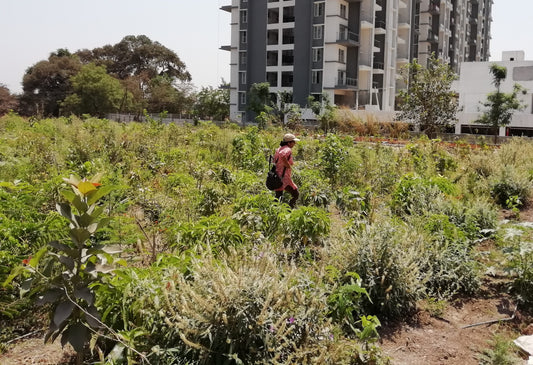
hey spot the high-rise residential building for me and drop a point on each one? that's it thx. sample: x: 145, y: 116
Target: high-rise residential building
x: 352, y: 50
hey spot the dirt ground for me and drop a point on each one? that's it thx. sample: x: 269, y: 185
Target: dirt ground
x: 454, y: 335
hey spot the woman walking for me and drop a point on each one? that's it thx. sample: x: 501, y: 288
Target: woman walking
x: 284, y: 162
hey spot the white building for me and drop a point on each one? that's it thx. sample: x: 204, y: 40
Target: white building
x: 476, y: 82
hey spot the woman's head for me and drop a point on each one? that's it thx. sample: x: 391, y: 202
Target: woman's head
x: 289, y: 139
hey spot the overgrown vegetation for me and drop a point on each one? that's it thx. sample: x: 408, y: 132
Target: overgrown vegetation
x: 214, y: 269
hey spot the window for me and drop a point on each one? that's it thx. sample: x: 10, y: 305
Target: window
x: 318, y: 9
x: 288, y: 36
x: 316, y: 77
x: 242, y: 97
x: 242, y: 78
x: 242, y: 58
x: 287, y: 57
x: 286, y: 79
x: 341, y: 56
x: 272, y: 58
x: 318, y: 31
x: 272, y: 78
x: 288, y: 14
x: 343, y: 11
x: 272, y: 36
x: 273, y: 1
x: 243, y: 36
x: 317, y: 54
x: 244, y: 16
x: 273, y: 15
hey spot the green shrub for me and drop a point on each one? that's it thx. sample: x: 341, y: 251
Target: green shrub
x: 386, y: 256
x: 511, y: 184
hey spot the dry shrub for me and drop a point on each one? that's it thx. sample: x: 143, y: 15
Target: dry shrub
x: 373, y: 126
x: 348, y: 122
x: 256, y: 310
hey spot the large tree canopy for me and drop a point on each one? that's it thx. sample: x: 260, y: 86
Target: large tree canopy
x: 137, y: 56
x: 47, y: 83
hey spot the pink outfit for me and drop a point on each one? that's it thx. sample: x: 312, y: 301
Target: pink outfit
x: 284, y: 153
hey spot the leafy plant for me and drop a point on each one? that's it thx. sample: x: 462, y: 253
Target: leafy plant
x: 63, y: 274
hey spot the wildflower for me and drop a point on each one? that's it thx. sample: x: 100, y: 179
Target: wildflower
x: 291, y: 320
x: 26, y: 261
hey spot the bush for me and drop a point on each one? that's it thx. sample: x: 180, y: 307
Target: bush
x: 386, y: 256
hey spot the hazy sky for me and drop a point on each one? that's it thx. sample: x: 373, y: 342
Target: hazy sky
x: 194, y: 29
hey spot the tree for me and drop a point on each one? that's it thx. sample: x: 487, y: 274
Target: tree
x: 428, y: 102
x: 135, y: 56
x: 324, y: 111
x: 7, y: 100
x: 148, y: 71
x: 212, y: 103
x: 95, y: 92
x: 500, y: 106
x: 259, y: 98
x: 46, y: 84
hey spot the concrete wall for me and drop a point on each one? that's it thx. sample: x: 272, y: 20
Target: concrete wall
x: 476, y: 83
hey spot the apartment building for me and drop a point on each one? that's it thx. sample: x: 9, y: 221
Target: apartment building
x: 352, y: 50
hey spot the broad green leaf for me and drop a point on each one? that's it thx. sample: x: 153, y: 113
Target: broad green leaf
x: 62, y: 312
x: 49, y: 297
x: 77, y: 336
x: 65, y: 210
x: 93, y: 317
x: 79, y: 235
x: 67, y: 261
x: 85, y: 187
x: 85, y: 294
x: 101, y: 192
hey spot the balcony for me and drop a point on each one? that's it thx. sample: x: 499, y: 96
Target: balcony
x: 347, y: 38
x: 346, y: 83
x: 226, y: 8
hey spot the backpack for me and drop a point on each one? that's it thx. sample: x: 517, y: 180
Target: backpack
x: 273, y: 180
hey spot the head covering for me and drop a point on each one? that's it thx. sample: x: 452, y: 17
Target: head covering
x: 289, y: 137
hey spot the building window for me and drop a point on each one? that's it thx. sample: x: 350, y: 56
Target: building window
x: 273, y: 1
x: 286, y: 79
x: 341, y: 56
x: 242, y: 78
x: 244, y: 16
x: 272, y: 58
x: 272, y: 78
x: 273, y: 16
x: 318, y: 9
x: 343, y: 11
x: 287, y: 57
x: 316, y: 77
x: 317, y: 54
x: 242, y: 58
x: 243, y: 37
x: 242, y: 98
x: 288, y: 14
x: 288, y: 36
x: 318, y: 31
x: 272, y: 36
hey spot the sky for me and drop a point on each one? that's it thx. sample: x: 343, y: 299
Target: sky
x: 194, y: 29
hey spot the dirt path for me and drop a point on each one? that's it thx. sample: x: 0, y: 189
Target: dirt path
x: 444, y: 339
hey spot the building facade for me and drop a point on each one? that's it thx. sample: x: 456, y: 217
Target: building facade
x: 352, y: 50
x: 475, y: 83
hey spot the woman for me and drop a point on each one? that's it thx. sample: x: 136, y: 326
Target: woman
x: 284, y: 162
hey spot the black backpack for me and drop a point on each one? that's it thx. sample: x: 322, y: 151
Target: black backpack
x: 273, y: 180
